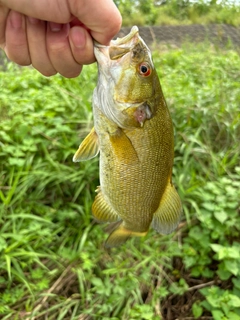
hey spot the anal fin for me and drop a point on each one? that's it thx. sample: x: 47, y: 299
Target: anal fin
x: 168, y: 214
x: 88, y: 149
x: 101, y: 210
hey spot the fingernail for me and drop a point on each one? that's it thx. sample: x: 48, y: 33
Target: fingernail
x: 55, y: 27
x: 33, y: 20
x: 16, y: 20
x: 78, y: 37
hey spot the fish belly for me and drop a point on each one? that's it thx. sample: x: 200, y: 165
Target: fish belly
x: 134, y: 188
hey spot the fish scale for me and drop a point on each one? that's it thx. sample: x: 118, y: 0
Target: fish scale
x: 134, y: 134
x: 134, y: 192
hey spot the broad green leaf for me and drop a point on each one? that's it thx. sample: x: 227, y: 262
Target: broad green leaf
x: 197, y: 310
x: 234, y: 301
x: 233, y: 266
x: 221, y: 216
x: 218, y: 315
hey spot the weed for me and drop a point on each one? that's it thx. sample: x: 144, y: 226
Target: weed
x: 52, y: 263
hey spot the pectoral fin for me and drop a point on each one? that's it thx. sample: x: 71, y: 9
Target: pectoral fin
x: 88, y: 149
x: 168, y: 214
x: 121, y: 235
x: 123, y: 147
x: 101, y: 210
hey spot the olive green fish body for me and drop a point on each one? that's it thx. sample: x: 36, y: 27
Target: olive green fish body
x: 133, y: 132
x: 134, y: 186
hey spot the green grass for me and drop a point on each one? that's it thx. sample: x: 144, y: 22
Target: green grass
x: 52, y: 263
x: 178, y: 12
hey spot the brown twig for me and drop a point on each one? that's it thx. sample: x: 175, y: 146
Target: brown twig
x: 192, y: 318
x: 201, y: 285
x: 157, y: 305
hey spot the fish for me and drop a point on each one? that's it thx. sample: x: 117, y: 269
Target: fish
x: 133, y: 133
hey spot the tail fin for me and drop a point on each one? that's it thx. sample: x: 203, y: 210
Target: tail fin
x: 121, y: 235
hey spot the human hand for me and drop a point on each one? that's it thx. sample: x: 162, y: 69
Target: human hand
x: 55, y: 36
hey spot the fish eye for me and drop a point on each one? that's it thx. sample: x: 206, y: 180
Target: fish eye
x: 144, y: 69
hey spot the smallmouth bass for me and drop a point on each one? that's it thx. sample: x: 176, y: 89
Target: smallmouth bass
x: 133, y: 132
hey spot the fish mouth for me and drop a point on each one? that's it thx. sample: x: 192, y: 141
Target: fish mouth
x: 125, y: 44
x: 131, y: 37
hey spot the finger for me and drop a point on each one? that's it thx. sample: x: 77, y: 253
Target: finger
x: 81, y: 45
x: 43, y: 9
x: 102, y: 19
x: 16, y: 39
x: 59, y: 50
x: 3, y: 19
x: 36, y: 35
